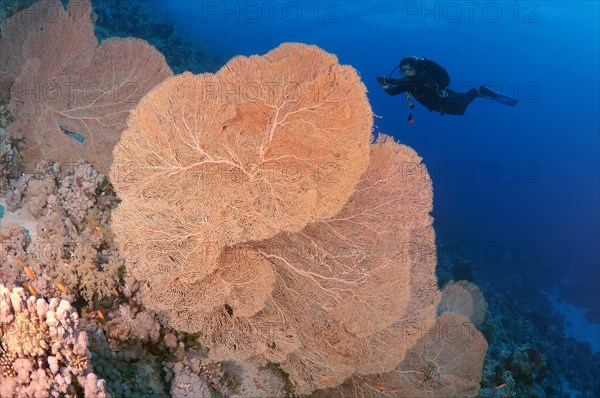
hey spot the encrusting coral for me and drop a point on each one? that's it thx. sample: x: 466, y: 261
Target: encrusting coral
x: 43, y: 351
x: 327, y: 271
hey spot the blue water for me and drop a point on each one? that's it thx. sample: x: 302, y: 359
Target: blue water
x: 515, y: 189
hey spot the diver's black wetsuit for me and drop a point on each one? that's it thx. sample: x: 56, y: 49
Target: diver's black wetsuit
x: 424, y: 89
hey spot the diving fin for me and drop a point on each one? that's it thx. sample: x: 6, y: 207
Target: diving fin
x: 504, y: 99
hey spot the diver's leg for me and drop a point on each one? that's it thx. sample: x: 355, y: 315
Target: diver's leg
x: 456, y: 103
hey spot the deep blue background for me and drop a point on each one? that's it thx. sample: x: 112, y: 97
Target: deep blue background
x: 516, y: 189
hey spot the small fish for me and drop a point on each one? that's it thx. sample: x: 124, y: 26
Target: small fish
x: 116, y: 292
x: 29, y: 272
x: 31, y: 289
x: 380, y: 388
x: 96, y: 314
x: 327, y: 381
x: 60, y: 286
x: 74, y: 228
x: 500, y: 386
x: 96, y: 232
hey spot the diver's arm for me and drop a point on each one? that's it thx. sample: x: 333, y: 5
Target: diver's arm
x: 397, y: 86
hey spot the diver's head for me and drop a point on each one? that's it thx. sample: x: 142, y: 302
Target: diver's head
x: 408, y: 66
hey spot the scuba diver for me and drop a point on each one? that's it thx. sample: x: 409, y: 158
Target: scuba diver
x: 428, y: 82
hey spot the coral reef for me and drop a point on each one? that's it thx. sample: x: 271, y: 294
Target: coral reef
x: 116, y: 18
x: 72, y: 256
x: 14, y: 242
x: 11, y: 147
x: 70, y: 96
x: 528, y: 354
x: 77, y: 191
x: 129, y: 371
x: 192, y: 375
x: 43, y: 350
x: 72, y: 253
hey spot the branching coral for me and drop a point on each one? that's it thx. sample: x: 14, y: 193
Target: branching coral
x: 42, y: 348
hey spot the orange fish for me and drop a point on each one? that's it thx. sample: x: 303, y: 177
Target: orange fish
x: 30, y: 288
x: 60, y: 286
x: 116, y: 293
x: 499, y: 387
x: 98, y: 314
x: 380, y: 388
x: 327, y: 381
x: 29, y: 272
x: 33, y: 291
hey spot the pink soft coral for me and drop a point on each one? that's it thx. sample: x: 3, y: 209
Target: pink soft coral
x: 271, y: 224
x: 65, y: 83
